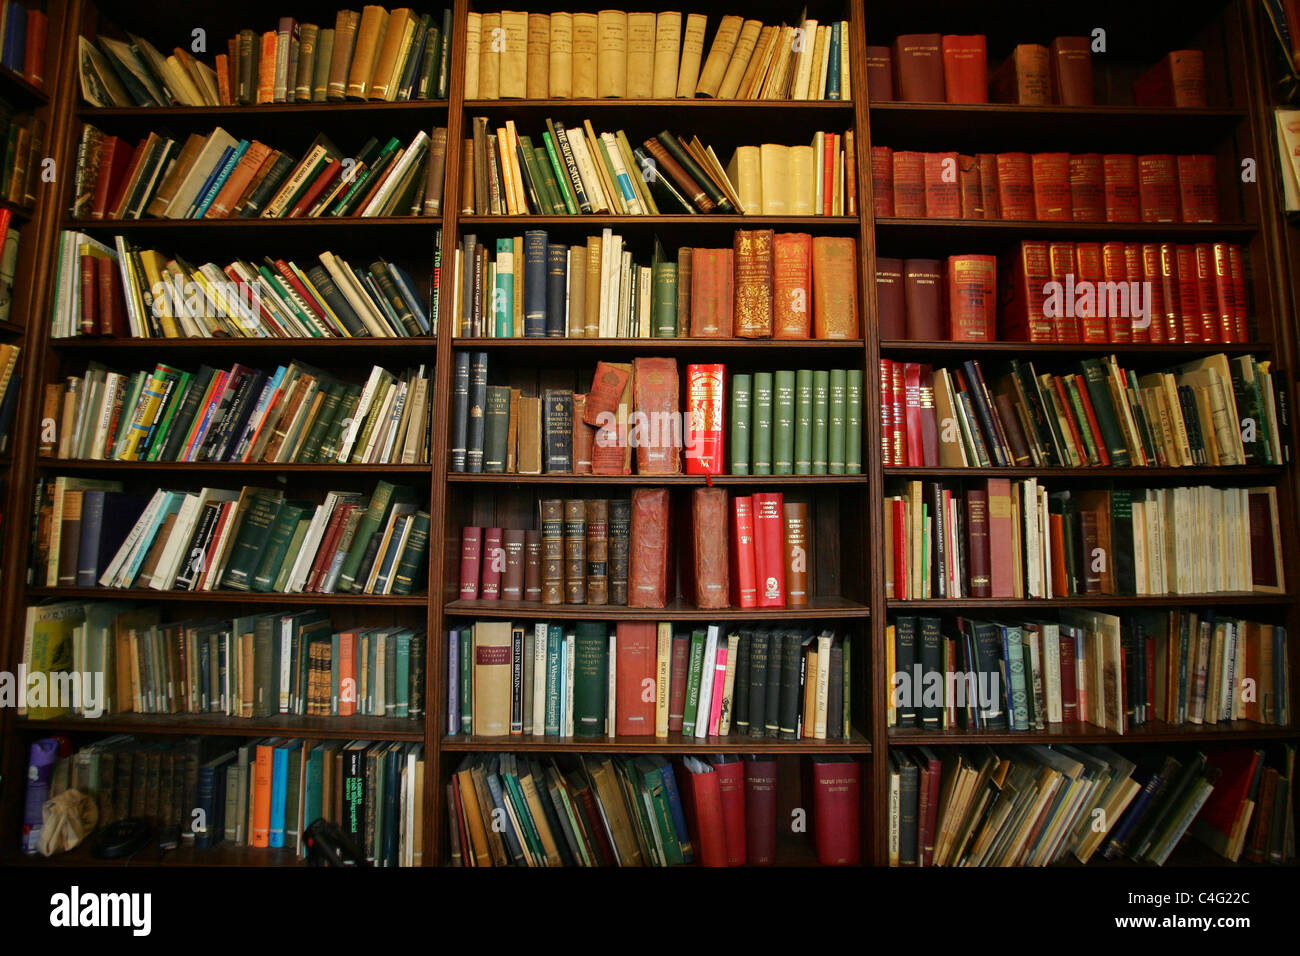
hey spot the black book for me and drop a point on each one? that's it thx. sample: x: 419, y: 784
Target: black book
x: 757, y: 709
x: 197, y: 547
x: 772, y: 689
x: 791, y: 668
x: 415, y: 695
x: 477, y: 412
x: 337, y: 301
x: 620, y: 521
x: 459, y: 411
x: 931, y: 648
x: 705, y: 181
x: 557, y: 429
x: 904, y: 659
x: 740, y: 696
x: 557, y: 270
x: 252, y: 207
x: 496, y: 429
x: 909, y: 779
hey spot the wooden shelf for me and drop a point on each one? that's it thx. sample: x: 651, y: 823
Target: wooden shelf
x: 363, y: 344
x: 1226, y: 599
x: 521, y: 348
x: 279, y: 111
x: 15, y: 86
x: 232, y: 597
x: 694, y: 480
x: 1085, y: 733
x: 1104, y: 472
x: 479, y: 223
x: 673, y: 744
x: 12, y: 328
x: 285, y: 725
x: 325, y: 223
x: 1171, y: 352
x: 234, y: 468
x: 820, y: 608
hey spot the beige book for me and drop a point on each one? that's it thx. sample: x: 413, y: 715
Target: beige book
x: 758, y: 63
x: 492, y: 678
x: 517, y: 316
x: 692, y: 51
x: 491, y: 40
x: 825, y: 62
x: 807, y: 46
x: 530, y: 435
x: 577, y: 291
x: 708, y: 161
x: 715, y: 65
x: 560, y: 80
x: 774, y: 166
x: 817, y: 81
x: 584, y: 55
x: 384, y: 77
x: 613, y: 195
x: 668, y: 40
x: 370, y: 38
x: 521, y: 196
x: 801, y: 182
x: 186, y: 90
x: 611, y: 53
x: 512, y: 76
x: 591, y: 321
x: 740, y: 58
x: 472, y: 28
x: 745, y: 171
x: 640, y: 55
x: 845, y: 44
x: 774, y: 88
x: 539, y: 56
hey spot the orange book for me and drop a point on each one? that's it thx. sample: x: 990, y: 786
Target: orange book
x: 261, y: 830
x: 223, y: 78
x: 835, y: 287
x: 243, y: 173
x: 347, y: 675
x: 38, y: 26
x: 266, y: 68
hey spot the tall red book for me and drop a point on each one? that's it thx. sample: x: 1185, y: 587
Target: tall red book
x: 705, y: 394
x: 494, y: 565
x: 918, y: 67
x: 769, y: 548
x: 744, y: 567
x: 942, y: 189
x: 909, y: 184
x: 1087, y: 188
x: 1198, y: 190
x: 882, y: 181
x: 965, y: 69
x: 791, y: 285
x: 972, y: 297
x: 471, y: 545
x: 1120, y: 179
x: 1015, y: 185
x: 634, y: 710
x: 1158, y: 187
x: 702, y: 796
x: 837, y: 785
x: 731, y: 788
x: 1071, y: 71
x: 1051, y: 174
x: 760, y: 810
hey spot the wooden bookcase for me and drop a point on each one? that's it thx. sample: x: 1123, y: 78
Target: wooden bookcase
x: 850, y: 588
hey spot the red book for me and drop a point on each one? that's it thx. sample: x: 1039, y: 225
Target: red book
x: 918, y: 67
x: 760, y: 810
x: 731, y: 787
x: 606, y: 391
x: 972, y: 297
x: 471, y: 551
x: 112, y: 311
x: 114, y: 158
x: 1178, y: 80
x: 648, y: 549
x: 897, y: 406
x: 634, y: 711
x: 655, y: 394
x: 1071, y: 67
x: 1189, y: 294
x: 912, y: 414
x: 901, y: 549
x: 744, y: 572
x: 89, y: 284
x: 1051, y: 176
x: 678, y: 664
x: 1198, y: 190
x: 512, y: 583
x: 886, y: 412
x: 890, y: 311
x: 1060, y: 264
x: 1224, y: 296
x: 791, y: 286
x: 1241, y: 305
x: 909, y: 184
x: 1001, y: 559
x: 1087, y: 188
x: 882, y: 181
x: 880, y: 74
x: 709, y: 569
x: 702, y: 795
x: 836, y: 807
x: 1127, y: 327
x: 318, y: 186
x: 347, y: 674
x: 1089, y: 267
x: 1158, y: 187
x: 968, y: 184
x: 923, y: 299
x: 1015, y: 186
x: 705, y: 391
x: 769, y: 548
x: 1120, y: 182
x: 1149, y: 264
x: 712, y: 288
x: 832, y: 143
x: 977, y: 542
x: 1170, y: 292
x: 38, y: 27
x: 532, y: 566
x: 1069, y: 692
x: 1210, y: 324
x: 329, y: 544
x: 494, y: 565
x: 1022, y: 277
x: 965, y: 69
x: 927, y: 812
x: 942, y: 191
x: 987, y: 163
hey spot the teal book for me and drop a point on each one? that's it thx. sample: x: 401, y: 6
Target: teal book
x: 694, y: 670
x: 503, y: 295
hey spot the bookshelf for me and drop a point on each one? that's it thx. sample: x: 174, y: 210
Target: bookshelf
x: 852, y: 592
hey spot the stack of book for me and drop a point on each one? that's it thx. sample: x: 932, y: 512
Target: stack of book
x: 124, y: 290
x: 1103, y: 415
x: 646, y: 55
x: 220, y: 177
x: 1176, y: 668
x: 1013, y: 539
x: 373, y: 55
x: 259, y: 665
x: 636, y: 679
x: 90, y: 532
x: 23, y: 33
x: 741, y: 551
x: 1079, y: 187
x: 295, y: 414
x: 640, y: 811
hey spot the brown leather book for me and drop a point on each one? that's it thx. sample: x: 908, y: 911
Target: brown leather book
x: 606, y: 391
x: 620, y: 519
x: 656, y: 426
x: 968, y: 186
x: 188, y: 154
x: 1096, y: 556
x: 918, y: 68
x: 712, y: 292
x: 345, y: 40
x: 384, y: 77
x: 710, y: 566
x: 532, y: 566
x: 597, y: 551
x: 891, y: 314
x: 795, y: 514
x: 575, y: 551
x: 1071, y: 62
x: 753, y: 305
x: 530, y: 435
x: 552, y: 551
x: 882, y: 181
x: 988, y: 167
x: 835, y: 287
x: 370, y: 38
x: 435, y: 172
x: 791, y: 285
x: 512, y: 582
x: 539, y: 56
x: 923, y: 300
x: 247, y: 167
x: 584, y: 438
x: 880, y: 74
x: 977, y: 543
x: 648, y: 549
x: 1023, y: 77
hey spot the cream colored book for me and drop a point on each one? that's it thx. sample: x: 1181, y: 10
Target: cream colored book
x: 774, y: 169
x: 634, y: 172
x: 715, y: 65
x: 845, y: 73
x: 631, y: 204
x: 759, y: 62
x: 745, y: 171
x: 663, y: 673
x: 591, y: 180
x: 708, y: 161
x: 539, y: 56
x: 611, y: 53
x: 740, y: 57
x: 823, y: 61
x: 560, y: 80
x: 585, y: 44
x: 491, y: 41
x: 774, y: 87
x: 472, y: 27
x: 807, y: 46
x: 512, y: 77
x: 692, y: 52
x: 668, y: 43
x: 613, y: 195
x: 640, y: 56
x: 799, y: 184
x: 577, y: 278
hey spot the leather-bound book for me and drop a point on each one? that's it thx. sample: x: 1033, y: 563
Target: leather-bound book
x: 590, y: 679
x: 972, y: 297
x: 968, y: 187
x: 656, y: 402
x: 730, y: 772
x: 835, y: 287
x: 795, y: 515
x: 923, y: 300
x: 584, y: 56
x: 709, y: 548
x: 1178, y: 80
x: 705, y: 395
x: 987, y: 163
x: 942, y: 189
x: 1115, y: 268
x: 712, y: 291
x: 769, y: 548
x: 597, y: 555
x: 606, y: 390
x: 791, y: 285
x: 880, y: 74
x: 512, y: 582
x: 1024, y: 77
x: 743, y: 572
x: 892, y: 321
x: 648, y: 549
x: 634, y: 700
x: 557, y: 431
x: 882, y: 181
x: 532, y: 566
x: 1071, y: 71
x: 620, y: 517
x: 918, y: 67
x: 529, y: 449
x: 1060, y: 265
x: 1089, y: 267
x: 552, y: 542
x: 1002, y: 560
x: 679, y: 156
x: 909, y: 184
x: 1120, y: 184
x: 1198, y: 191
x: 760, y: 807
x: 1051, y: 177
x: 1087, y: 188
x: 1022, y: 276
x: 702, y: 797
x: 836, y: 806
x: 575, y: 551
x: 965, y: 69
x: 584, y: 437
x: 1158, y: 188
x: 1015, y: 186
x: 753, y: 257
x: 679, y: 663
x: 538, y: 58
x: 494, y: 564
x: 471, y: 555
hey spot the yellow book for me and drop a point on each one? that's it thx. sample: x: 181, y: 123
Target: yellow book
x: 745, y: 171
x: 774, y: 167
x: 692, y: 51
x: 512, y: 79
x: 585, y: 28
x: 611, y: 53
x: 663, y: 676
x: 473, y: 27
x: 560, y: 78
x: 539, y: 56
x: 668, y: 39
x: 641, y: 36
x: 740, y: 57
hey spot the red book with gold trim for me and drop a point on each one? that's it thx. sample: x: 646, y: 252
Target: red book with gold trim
x: 1051, y: 174
x: 1198, y: 189
x: 1120, y: 185
x: 705, y: 390
x: 471, y: 544
x: 1158, y: 187
x: 1015, y: 185
x: 731, y: 789
x: 1087, y: 188
x: 942, y: 189
x: 792, y: 285
x: 769, y: 548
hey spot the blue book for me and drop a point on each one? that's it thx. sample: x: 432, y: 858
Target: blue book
x: 15, y: 48
x: 1013, y: 650
x: 1120, y: 833
x: 833, y: 63
x: 503, y: 296
x: 227, y: 168
x: 554, y: 641
x: 407, y: 288
x: 557, y: 284
x: 92, y: 523
x: 212, y: 176
x: 535, y: 247
x: 391, y: 760
x: 507, y: 825
x: 679, y: 816
x: 279, y: 787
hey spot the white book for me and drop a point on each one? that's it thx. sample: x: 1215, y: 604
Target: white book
x: 413, y: 153
x: 182, y: 530
x: 569, y: 640
x: 587, y: 171
x: 704, y: 709
x: 1052, y: 668
x: 823, y: 687
x: 310, y: 544
x: 217, y: 143
x: 359, y: 414
x: 539, y: 681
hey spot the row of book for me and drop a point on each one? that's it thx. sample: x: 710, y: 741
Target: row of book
x: 10, y: 386
x: 23, y: 33
x: 254, y: 666
x: 220, y: 177
x: 373, y: 55
x: 1035, y: 805
x: 1060, y: 187
x: 1176, y: 668
x: 1047, y: 291
x: 613, y: 53
x: 784, y: 285
x: 25, y: 149
x: 641, y: 811
x: 787, y: 422
x: 89, y: 532
x: 125, y: 290
x: 1216, y: 411
x: 295, y: 414
x: 1014, y: 539
x: 262, y: 793
x: 633, y: 679
x: 939, y: 68
x: 744, y: 551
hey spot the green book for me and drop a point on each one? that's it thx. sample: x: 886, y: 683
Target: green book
x: 561, y: 176
x: 652, y: 780
x: 853, y: 423
x: 325, y: 415
x: 496, y: 428
x: 402, y: 681
x: 466, y: 680
x: 694, y: 669
x: 590, y: 678
x: 174, y: 401
x: 547, y: 178
x: 295, y: 542
x: 838, y: 406
x: 533, y: 175
x: 761, y: 423
x: 742, y: 386
x: 554, y: 679
x: 329, y: 446
x: 381, y: 502
x: 277, y: 543
x: 250, y: 539
x: 411, y: 560
x: 783, y: 424
x: 803, y: 421
x: 821, y: 420
x: 663, y: 321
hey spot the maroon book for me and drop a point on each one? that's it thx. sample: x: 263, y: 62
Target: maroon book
x: 965, y: 68
x: 494, y: 565
x: 880, y: 74
x: 1158, y: 188
x: 471, y: 552
x: 923, y: 299
x: 1120, y: 183
x: 648, y: 549
x: 1069, y: 692
x: 889, y: 299
x: 837, y: 802
x: 760, y: 810
x: 1178, y: 80
x: 679, y: 662
x: 512, y: 584
x: 918, y: 67
x: 882, y: 181
x: 1071, y: 71
x: 977, y: 543
x: 709, y: 548
x: 532, y: 566
x: 942, y: 188
x: 1198, y: 191
x: 1015, y: 185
